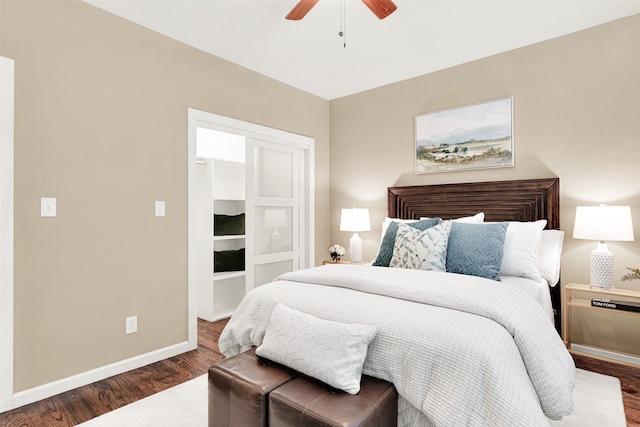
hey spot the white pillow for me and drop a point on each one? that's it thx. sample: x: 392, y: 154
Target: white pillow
x: 549, y: 255
x: 329, y: 351
x: 521, y: 244
x: 387, y: 221
x: 421, y: 250
x: 476, y: 219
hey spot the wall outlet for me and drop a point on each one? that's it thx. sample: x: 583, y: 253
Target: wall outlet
x: 131, y: 325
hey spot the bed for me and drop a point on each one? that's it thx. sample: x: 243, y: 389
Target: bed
x: 461, y: 349
x: 517, y: 200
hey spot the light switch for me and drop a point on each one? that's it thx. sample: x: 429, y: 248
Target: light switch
x: 160, y: 208
x: 47, y: 206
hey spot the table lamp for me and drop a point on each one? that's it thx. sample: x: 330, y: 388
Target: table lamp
x: 355, y: 220
x: 603, y: 223
x: 274, y: 219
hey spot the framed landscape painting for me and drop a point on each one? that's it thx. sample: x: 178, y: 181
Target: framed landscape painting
x: 476, y: 136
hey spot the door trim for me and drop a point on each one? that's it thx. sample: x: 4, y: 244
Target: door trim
x: 6, y: 232
x: 198, y: 118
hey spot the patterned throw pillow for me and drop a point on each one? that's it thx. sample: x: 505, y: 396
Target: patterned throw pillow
x: 476, y: 249
x: 326, y: 350
x: 421, y: 250
x: 385, y: 253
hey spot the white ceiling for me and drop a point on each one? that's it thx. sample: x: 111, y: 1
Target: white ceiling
x: 420, y: 37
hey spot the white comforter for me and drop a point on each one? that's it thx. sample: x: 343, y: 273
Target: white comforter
x: 461, y: 350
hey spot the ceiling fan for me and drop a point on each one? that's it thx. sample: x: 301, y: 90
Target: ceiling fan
x: 381, y: 8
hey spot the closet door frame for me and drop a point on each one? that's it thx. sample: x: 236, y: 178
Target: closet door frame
x: 6, y: 232
x: 198, y: 118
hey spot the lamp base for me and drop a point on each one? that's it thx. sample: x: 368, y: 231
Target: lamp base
x: 275, y: 241
x: 355, y: 248
x: 602, y: 266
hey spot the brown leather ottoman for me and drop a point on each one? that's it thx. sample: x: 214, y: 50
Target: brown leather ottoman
x: 239, y: 387
x: 304, y: 401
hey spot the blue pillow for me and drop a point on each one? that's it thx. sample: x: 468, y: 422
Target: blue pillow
x: 386, y: 247
x: 476, y: 249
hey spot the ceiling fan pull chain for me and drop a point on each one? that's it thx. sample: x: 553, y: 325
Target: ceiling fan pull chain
x: 343, y: 23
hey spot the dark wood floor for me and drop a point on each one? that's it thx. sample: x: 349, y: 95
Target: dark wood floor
x: 82, y: 404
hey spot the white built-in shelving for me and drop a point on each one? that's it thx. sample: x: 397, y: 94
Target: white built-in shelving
x: 221, y: 191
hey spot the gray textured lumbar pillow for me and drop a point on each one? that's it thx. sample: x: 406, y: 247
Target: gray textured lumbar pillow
x: 329, y: 351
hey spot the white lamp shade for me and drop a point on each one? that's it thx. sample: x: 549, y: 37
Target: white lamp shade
x: 275, y: 218
x: 356, y: 219
x: 603, y: 223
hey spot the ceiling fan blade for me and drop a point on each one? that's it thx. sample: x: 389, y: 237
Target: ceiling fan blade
x: 381, y: 8
x: 301, y: 9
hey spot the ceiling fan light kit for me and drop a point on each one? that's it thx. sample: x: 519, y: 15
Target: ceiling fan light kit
x: 381, y: 8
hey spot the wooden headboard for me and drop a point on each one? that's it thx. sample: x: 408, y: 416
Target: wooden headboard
x: 523, y: 200
x: 519, y: 200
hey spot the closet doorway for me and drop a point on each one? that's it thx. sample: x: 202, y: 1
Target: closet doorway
x: 250, y: 196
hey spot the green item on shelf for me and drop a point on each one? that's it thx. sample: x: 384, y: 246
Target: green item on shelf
x: 225, y: 225
x: 634, y: 275
x: 228, y: 260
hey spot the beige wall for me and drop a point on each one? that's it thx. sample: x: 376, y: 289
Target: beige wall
x: 101, y: 124
x: 576, y: 116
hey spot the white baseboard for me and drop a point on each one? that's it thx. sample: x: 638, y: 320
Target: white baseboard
x: 51, y: 389
x: 625, y: 358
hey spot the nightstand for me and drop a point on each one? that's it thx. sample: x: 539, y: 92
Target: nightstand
x: 585, y: 302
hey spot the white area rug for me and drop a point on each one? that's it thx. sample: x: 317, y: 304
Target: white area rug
x: 597, y: 402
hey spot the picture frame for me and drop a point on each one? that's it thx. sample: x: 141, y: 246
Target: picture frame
x: 476, y: 136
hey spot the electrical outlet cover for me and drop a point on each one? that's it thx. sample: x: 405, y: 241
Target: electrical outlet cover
x: 131, y: 325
